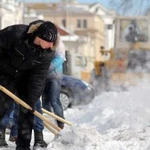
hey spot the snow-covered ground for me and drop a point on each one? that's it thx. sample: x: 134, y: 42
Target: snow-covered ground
x: 112, y: 121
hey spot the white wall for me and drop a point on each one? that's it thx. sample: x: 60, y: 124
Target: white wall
x: 109, y: 33
x: 11, y: 13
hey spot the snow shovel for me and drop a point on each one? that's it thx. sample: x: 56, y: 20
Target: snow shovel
x: 56, y: 117
x: 21, y: 102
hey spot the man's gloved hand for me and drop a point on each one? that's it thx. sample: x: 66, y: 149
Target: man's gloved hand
x: 32, y: 105
x: 25, y: 110
x: 33, y: 110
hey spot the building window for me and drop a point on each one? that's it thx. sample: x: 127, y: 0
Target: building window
x: 81, y: 23
x: 84, y: 23
x: 64, y: 22
x: 109, y: 26
x: 78, y: 23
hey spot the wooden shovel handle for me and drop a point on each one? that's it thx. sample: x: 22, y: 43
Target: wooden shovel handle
x: 21, y: 102
x: 56, y: 117
x: 50, y: 128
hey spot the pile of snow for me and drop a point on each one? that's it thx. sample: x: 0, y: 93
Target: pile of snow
x: 112, y: 121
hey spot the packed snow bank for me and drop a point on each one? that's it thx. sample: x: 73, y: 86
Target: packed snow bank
x: 112, y: 121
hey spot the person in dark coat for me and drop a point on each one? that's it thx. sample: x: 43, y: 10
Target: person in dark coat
x: 51, y: 95
x: 25, y: 55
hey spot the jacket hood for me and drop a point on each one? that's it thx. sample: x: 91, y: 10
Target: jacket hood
x: 33, y: 26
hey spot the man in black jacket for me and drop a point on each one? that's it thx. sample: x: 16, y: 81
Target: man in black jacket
x: 25, y: 55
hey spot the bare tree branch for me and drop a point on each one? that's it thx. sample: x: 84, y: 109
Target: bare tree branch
x: 130, y: 7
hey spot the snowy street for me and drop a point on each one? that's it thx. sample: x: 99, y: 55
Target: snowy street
x: 88, y: 61
x: 112, y: 121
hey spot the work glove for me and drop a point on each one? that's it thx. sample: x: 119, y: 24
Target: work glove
x: 32, y: 105
x: 24, y: 110
x: 33, y: 110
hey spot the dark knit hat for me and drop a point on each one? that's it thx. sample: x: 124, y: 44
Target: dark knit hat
x: 47, y: 31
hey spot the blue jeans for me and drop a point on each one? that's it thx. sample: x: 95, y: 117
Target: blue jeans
x: 15, y: 113
x: 38, y: 123
x: 12, y: 118
x: 7, y: 120
x: 50, y: 97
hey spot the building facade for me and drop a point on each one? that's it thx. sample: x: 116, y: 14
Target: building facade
x: 11, y: 12
x: 91, y: 26
x: 88, y: 26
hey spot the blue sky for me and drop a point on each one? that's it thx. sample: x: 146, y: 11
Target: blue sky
x: 134, y: 8
x: 104, y: 2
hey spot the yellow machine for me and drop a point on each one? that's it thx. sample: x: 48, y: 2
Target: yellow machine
x: 129, y: 60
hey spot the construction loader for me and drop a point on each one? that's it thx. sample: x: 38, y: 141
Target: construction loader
x: 129, y: 61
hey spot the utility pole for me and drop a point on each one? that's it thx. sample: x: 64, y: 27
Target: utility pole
x: 23, y: 12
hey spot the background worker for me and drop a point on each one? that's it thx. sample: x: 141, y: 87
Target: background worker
x: 38, y: 126
x: 51, y: 94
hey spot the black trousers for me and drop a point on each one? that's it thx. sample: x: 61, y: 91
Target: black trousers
x: 5, y: 101
x: 25, y: 120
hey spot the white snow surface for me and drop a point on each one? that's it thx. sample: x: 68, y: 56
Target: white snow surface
x: 112, y: 121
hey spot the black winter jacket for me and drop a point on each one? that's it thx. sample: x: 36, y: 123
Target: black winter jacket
x: 19, y: 56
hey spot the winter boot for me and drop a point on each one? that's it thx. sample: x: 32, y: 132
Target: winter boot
x: 22, y: 148
x: 2, y: 138
x: 60, y: 124
x: 39, y: 141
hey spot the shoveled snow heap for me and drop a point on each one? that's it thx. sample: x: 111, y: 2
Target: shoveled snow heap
x: 112, y: 121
